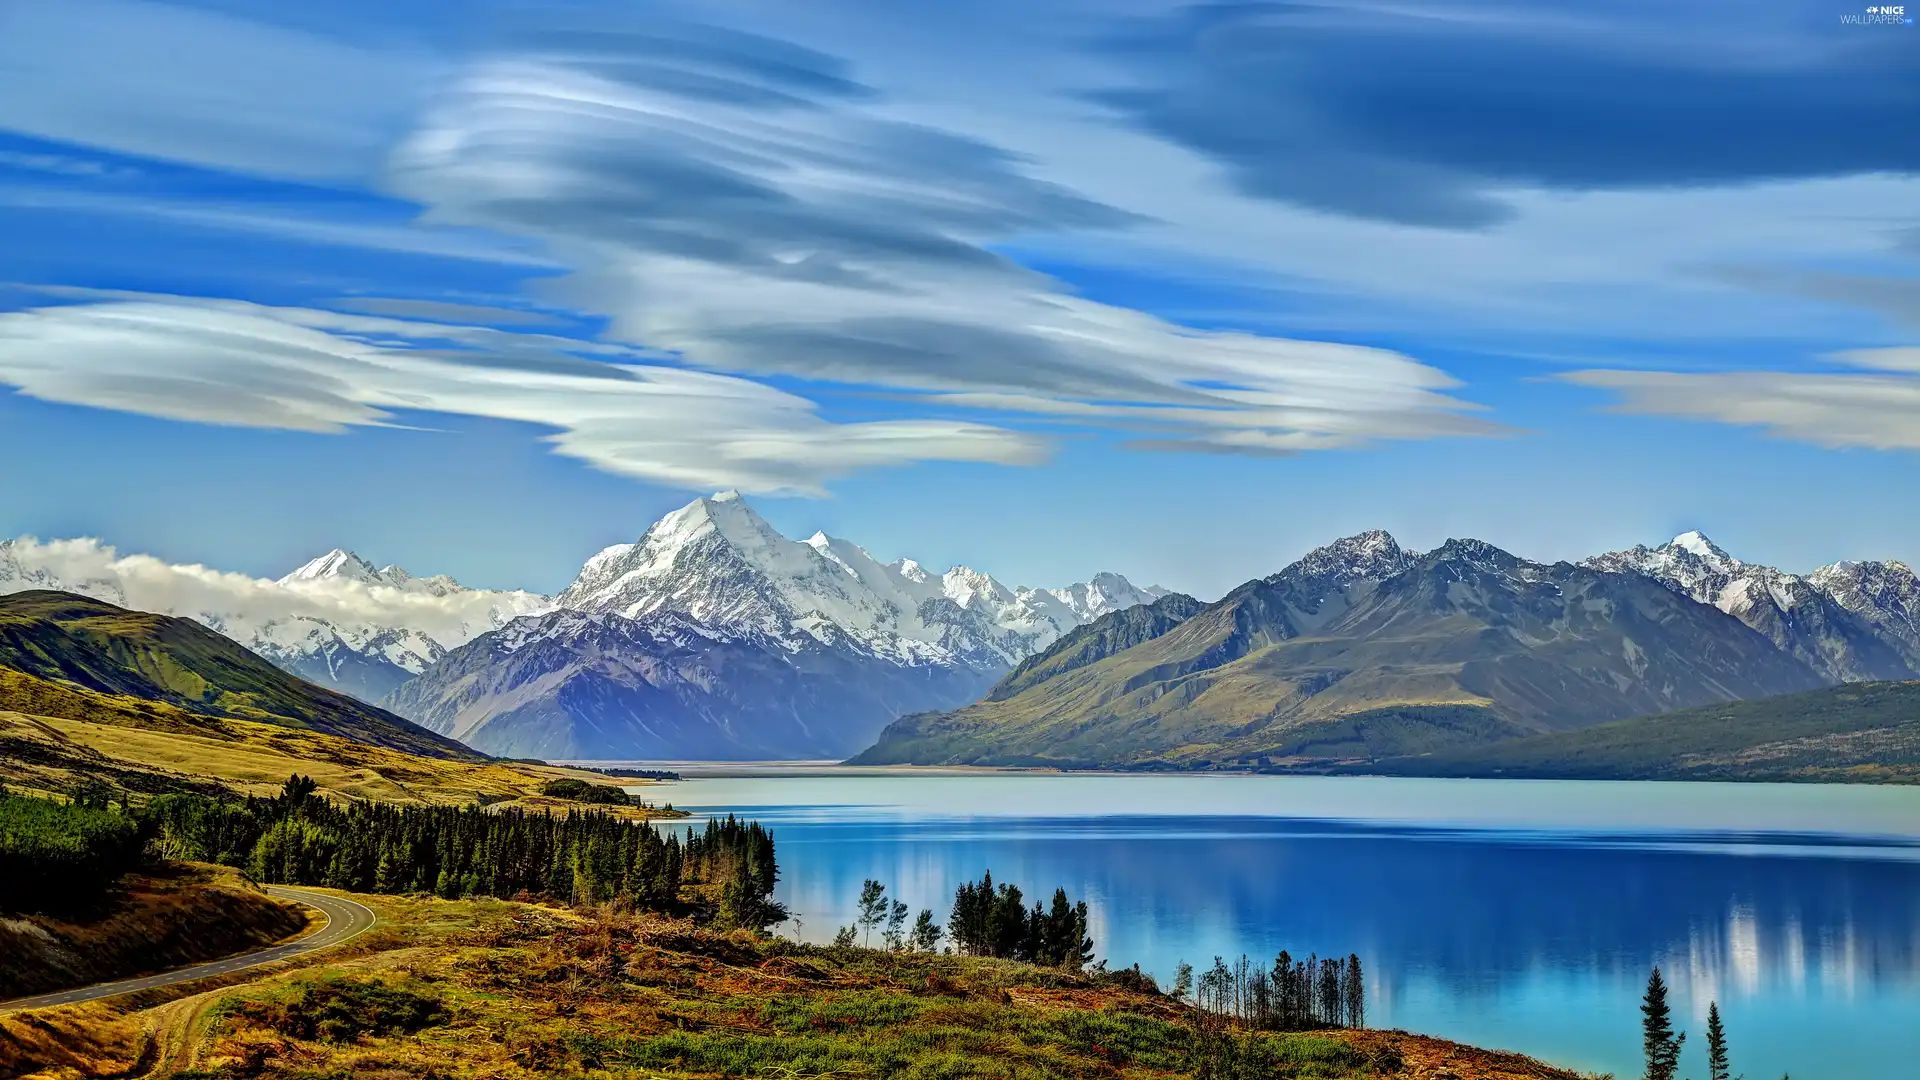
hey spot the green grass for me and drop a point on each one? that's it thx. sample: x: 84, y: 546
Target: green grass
x: 513, y: 992
x: 887, y: 1034
x: 1403, y: 729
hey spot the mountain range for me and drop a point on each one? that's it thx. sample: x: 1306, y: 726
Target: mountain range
x: 711, y: 636
x: 714, y: 636
x: 1363, y: 650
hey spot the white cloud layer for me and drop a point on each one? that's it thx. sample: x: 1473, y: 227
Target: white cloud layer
x: 737, y: 202
x: 256, y: 609
x: 187, y: 85
x: 1877, y: 407
x: 240, y: 364
x: 813, y: 239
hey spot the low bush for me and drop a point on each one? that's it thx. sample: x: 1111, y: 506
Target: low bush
x: 581, y: 791
x: 1228, y: 1055
x: 339, y: 1010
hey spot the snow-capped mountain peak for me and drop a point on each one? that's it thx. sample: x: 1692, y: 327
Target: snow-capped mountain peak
x: 340, y: 564
x: 343, y: 566
x: 1695, y: 543
x: 718, y: 562
x: 1831, y: 619
x: 1369, y: 555
x: 1886, y: 594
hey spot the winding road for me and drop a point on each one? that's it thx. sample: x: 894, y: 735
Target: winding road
x: 346, y: 919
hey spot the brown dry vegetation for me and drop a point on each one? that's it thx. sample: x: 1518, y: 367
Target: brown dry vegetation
x: 460, y: 989
x: 176, y: 914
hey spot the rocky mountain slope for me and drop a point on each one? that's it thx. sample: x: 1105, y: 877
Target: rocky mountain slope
x: 1361, y: 649
x: 68, y: 639
x: 714, y: 636
x: 1845, y: 640
x: 336, y: 621
x: 571, y: 686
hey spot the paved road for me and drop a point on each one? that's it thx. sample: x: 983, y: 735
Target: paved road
x: 346, y: 919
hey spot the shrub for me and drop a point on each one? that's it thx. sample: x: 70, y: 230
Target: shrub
x: 337, y: 1009
x: 581, y: 791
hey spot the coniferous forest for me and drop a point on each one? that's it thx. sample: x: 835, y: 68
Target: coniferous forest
x: 57, y: 857
x: 298, y: 838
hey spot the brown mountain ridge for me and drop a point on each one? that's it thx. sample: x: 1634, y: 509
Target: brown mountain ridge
x: 1360, y: 650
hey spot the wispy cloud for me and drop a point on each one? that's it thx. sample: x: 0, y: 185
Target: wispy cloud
x: 247, y: 365
x: 769, y: 224
x: 743, y: 207
x: 1435, y: 114
x: 1876, y: 406
x: 181, y: 84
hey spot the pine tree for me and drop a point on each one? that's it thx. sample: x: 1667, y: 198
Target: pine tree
x: 1355, y: 986
x: 895, y: 934
x: 1182, y: 981
x: 1661, y: 1043
x: 925, y: 935
x: 873, y: 909
x: 1079, y: 943
x: 1717, y: 1066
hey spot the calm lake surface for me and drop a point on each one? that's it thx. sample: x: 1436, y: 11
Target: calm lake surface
x: 1514, y: 914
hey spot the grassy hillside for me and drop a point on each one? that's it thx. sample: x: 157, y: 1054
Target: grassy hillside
x: 1860, y: 732
x: 54, y: 736
x: 96, y: 646
x: 519, y: 992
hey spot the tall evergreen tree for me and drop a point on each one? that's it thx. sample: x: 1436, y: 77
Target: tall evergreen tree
x: 1660, y: 1042
x: 925, y: 934
x: 1717, y: 1065
x: 873, y: 909
x: 1355, y: 986
x: 895, y: 934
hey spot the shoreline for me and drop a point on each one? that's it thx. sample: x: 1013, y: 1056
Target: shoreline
x: 692, y: 770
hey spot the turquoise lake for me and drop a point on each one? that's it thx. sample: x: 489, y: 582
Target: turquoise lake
x: 1515, y: 914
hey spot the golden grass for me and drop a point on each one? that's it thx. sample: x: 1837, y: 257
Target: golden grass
x: 123, y: 740
x: 507, y: 991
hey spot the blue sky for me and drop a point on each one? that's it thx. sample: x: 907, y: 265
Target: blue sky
x: 1045, y: 288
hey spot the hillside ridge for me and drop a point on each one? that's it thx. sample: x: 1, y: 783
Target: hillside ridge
x: 77, y: 640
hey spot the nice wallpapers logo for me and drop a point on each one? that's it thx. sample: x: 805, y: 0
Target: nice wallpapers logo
x: 1895, y: 15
